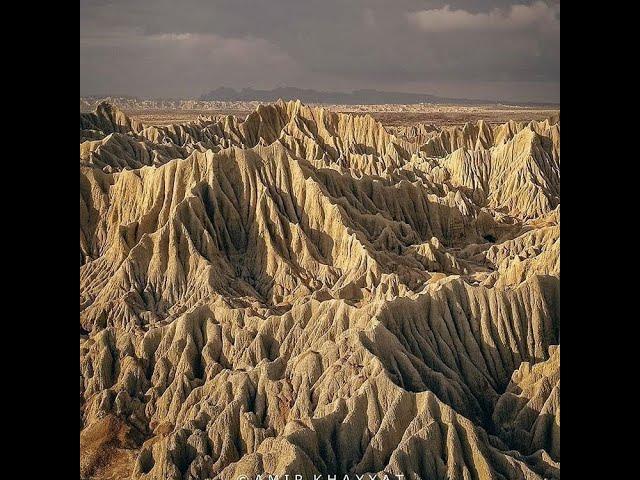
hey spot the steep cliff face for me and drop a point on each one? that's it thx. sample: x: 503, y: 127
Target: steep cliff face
x: 305, y: 292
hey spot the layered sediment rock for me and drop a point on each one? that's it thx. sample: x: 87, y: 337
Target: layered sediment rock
x: 306, y: 292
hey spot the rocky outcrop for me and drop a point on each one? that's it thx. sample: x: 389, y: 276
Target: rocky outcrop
x: 304, y: 292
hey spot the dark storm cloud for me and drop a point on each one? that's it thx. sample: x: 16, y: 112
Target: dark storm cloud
x: 488, y: 49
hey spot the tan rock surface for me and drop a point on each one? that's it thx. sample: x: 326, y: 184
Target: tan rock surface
x: 308, y: 292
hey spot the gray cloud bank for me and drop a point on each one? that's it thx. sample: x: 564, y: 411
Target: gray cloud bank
x: 471, y: 49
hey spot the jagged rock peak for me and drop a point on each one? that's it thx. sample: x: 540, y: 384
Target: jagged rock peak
x: 308, y: 292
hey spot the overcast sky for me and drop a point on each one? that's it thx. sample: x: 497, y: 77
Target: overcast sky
x: 183, y: 48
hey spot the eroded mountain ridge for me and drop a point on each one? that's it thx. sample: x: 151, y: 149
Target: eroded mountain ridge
x: 309, y: 292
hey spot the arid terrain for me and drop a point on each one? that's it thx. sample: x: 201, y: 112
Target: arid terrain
x: 295, y: 290
x: 167, y: 112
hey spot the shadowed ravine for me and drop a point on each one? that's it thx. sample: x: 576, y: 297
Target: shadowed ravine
x: 307, y: 292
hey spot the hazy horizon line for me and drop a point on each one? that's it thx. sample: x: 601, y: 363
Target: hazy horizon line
x: 326, y: 92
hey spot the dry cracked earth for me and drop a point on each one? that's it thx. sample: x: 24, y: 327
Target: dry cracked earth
x: 308, y: 292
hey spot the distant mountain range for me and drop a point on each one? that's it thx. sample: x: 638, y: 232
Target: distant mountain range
x: 357, y: 97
